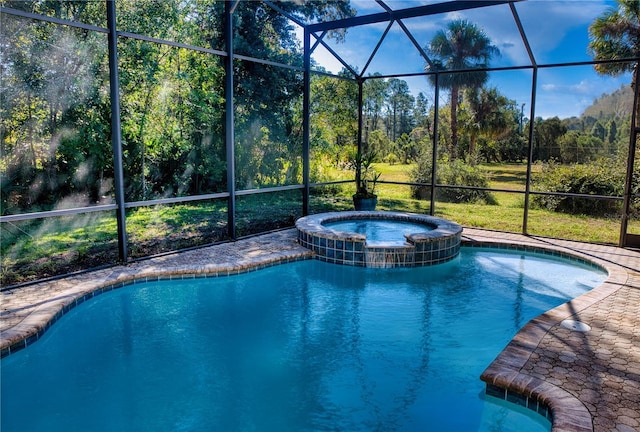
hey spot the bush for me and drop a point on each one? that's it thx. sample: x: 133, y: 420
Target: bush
x: 602, y: 177
x: 455, y: 173
x: 321, y: 171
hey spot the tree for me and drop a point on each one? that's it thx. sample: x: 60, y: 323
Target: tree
x: 399, y: 105
x: 545, y: 138
x: 407, y: 148
x: 334, y: 109
x: 490, y: 115
x: 576, y: 147
x: 268, y: 129
x: 616, y: 35
x: 598, y: 130
x: 375, y: 93
x: 613, y: 132
x: 53, y: 114
x: 380, y: 144
x: 421, y: 111
x: 460, y: 48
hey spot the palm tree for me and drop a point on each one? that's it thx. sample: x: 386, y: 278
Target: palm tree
x: 461, y: 47
x: 616, y: 35
x: 488, y: 115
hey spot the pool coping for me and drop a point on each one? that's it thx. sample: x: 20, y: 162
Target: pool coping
x: 27, y: 312
x: 515, y: 376
x: 505, y: 378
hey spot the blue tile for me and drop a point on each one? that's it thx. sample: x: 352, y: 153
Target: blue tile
x: 517, y: 398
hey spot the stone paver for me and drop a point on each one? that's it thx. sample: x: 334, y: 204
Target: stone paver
x: 590, y: 381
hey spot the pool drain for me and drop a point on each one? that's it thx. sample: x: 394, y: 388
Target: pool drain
x: 574, y: 325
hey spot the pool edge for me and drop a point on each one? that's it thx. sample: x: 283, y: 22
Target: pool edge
x: 504, y: 377
x: 568, y: 412
x: 47, y: 313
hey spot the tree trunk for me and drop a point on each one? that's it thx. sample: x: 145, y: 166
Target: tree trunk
x: 454, y: 122
x: 472, y: 145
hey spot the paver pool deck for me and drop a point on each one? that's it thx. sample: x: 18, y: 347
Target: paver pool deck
x: 589, y: 380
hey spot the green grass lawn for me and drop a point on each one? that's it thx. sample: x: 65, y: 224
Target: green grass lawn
x: 36, y: 249
x: 506, y: 215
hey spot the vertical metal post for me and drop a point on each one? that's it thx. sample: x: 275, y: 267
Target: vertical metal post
x: 360, y: 99
x: 306, y: 124
x: 532, y: 123
x: 434, y: 151
x: 534, y: 85
x: 116, y: 134
x: 229, y: 7
x: 628, y: 182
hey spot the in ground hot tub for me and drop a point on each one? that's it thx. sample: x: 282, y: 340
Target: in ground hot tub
x: 350, y: 238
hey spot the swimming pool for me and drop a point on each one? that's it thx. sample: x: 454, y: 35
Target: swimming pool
x: 334, y: 347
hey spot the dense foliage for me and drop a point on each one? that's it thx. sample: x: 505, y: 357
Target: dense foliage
x: 604, y: 177
x: 56, y: 109
x: 451, y: 173
x: 55, y: 116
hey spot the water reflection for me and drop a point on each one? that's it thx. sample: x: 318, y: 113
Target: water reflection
x: 306, y: 346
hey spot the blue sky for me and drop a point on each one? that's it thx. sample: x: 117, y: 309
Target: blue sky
x: 556, y: 29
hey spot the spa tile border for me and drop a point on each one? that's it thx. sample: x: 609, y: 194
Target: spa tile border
x: 439, y: 245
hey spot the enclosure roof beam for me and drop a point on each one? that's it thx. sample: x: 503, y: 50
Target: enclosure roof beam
x: 337, y: 56
x: 523, y: 34
x: 38, y: 17
x: 318, y: 40
x: 375, y: 50
x: 234, y: 5
x: 284, y: 13
x: 432, y: 9
x: 408, y: 33
x: 416, y: 44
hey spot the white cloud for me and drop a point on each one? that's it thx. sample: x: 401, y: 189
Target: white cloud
x: 566, y: 99
x: 547, y: 23
x: 553, y: 27
x: 583, y: 87
x: 591, y: 86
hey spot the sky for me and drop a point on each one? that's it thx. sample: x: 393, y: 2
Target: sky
x: 557, y: 31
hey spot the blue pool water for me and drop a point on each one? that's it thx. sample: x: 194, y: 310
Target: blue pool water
x: 380, y: 230
x: 306, y: 346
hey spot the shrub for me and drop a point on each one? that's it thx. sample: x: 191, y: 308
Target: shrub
x: 455, y: 173
x: 321, y: 171
x: 602, y: 177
